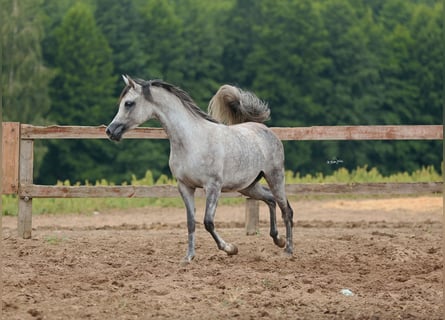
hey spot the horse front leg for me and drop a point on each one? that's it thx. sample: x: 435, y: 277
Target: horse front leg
x: 212, y: 196
x: 188, y: 196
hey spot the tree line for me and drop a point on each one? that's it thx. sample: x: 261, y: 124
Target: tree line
x: 316, y: 62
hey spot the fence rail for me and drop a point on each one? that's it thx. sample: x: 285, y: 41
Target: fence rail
x: 170, y: 191
x: 17, y: 165
x: 412, y: 132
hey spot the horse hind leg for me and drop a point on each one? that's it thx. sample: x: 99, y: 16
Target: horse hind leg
x: 275, y: 180
x: 259, y: 192
x: 212, y: 195
x: 288, y: 214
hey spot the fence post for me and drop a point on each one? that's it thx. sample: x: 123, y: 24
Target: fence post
x: 10, y: 157
x: 252, y: 216
x: 24, y: 221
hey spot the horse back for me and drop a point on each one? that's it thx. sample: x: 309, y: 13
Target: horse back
x: 256, y: 142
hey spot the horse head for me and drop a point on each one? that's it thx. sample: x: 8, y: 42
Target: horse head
x: 134, y: 108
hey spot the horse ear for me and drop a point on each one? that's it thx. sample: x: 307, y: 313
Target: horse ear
x: 125, y: 79
x: 128, y: 81
x: 131, y: 83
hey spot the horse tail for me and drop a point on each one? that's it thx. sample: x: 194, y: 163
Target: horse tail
x: 231, y: 105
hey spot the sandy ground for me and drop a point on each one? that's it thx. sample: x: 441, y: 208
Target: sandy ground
x: 353, y: 259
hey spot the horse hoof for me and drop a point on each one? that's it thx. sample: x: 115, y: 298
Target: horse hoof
x: 288, y: 251
x: 231, y: 249
x: 186, y: 261
x: 280, y: 241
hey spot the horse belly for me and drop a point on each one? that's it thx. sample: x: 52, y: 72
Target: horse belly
x: 233, y: 186
x: 241, y: 172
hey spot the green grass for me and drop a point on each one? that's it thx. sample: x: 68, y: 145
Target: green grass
x: 363, y: 174
x: 54, y: 239
x: 88, y: 206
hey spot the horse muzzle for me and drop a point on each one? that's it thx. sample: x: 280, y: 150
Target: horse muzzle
x: 115, y: 131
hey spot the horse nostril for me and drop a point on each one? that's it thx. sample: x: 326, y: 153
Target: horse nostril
x: 115, y: 131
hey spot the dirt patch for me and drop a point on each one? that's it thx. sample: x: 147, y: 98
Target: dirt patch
x: 354, y: 259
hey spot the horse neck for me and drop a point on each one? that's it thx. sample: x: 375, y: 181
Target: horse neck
x: 178, y: 122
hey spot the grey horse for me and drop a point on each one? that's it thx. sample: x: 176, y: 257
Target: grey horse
x: 227, y: 150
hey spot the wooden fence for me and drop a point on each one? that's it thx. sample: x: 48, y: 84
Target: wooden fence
x: 17, y: 165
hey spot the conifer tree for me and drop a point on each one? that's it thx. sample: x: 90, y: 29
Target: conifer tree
x: 120, y: 22
x: 324, y: 62
x: 24, y: 76
x: 81, y: 94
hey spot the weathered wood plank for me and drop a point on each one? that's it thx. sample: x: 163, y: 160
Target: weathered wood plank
x: 409, y: 132
x: 375, y: 188
x: 10, y: 157
x: 24, y: 219
x: 160, y: 191
x: 170, y: 191
x: 252, y: 217
x: 85, y: 132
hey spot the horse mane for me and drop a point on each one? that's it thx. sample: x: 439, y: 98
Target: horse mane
x: 183, y: 96
x: 230, y: 105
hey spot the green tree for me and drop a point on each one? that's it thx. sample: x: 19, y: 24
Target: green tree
x: 426, y: 65
x: 148, y: 43
x: 162, y: 42
x: 355, y: 91
x: 24, y: 76
x: 85, y: 77
x: 426, y: 27
x: 286, y: 66
x: 329, y: 62
x: 202, y: 46
x: 178, y: 43
x: 287, y: 60
x: 82, y: 94
x: 239, y: 38
x: 120, y: 22
x: 411, y: 76
x: 53, y: 11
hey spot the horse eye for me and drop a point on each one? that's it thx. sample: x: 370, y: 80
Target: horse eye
x: 129, y: 104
